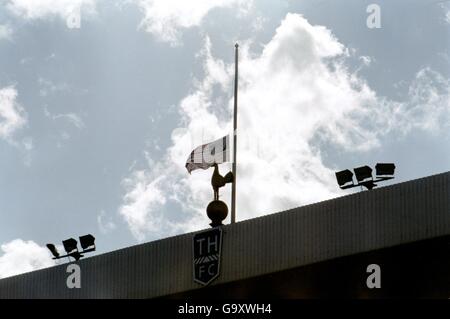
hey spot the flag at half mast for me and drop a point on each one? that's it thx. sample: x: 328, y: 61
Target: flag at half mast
x: 204, y: 156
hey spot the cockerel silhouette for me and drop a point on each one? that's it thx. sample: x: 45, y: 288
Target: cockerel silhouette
x: 218, y: 181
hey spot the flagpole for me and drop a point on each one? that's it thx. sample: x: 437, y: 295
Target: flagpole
x: 233, y: 189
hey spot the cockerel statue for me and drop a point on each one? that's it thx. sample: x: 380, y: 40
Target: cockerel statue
x: 218, y: 181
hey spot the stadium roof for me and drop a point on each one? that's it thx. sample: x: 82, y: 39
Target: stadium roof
x: 360, y: 222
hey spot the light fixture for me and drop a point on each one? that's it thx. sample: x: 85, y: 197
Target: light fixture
x: 385, y: 169
x: 87, y: 242
x: 363, y: 174
x: 53, y: 250
x: 71, y: 247
x: 345, y: 179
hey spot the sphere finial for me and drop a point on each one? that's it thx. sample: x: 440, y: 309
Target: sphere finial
x: 217, y: 211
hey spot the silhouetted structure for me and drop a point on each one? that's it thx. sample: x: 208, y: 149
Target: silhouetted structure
x: 318, y: 250
x: 217, y: 210
x: 218, y: 181
x: 384, y: 171
x: 71, y: 247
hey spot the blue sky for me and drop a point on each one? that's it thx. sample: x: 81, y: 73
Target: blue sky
x: 98, y: 117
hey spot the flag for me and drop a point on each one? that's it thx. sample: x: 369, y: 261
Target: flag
x: 204, y: 156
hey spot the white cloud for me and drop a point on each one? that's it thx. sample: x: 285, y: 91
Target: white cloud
x: 39, y: 9
x: 13, y: 118
x: 105, y: 226
x: 47, y: 87
x: 142, y: 202
x: 258, y: 23
x: 27, y: 143
x: 12, y: 115
x: 428, y: 107
x: 5, y: 32
x: 73, y: 118
x: 366, y: 60
x: 444, y: 5
x: 21, y: 256
x: 165, y: 19
x: 295, y: 95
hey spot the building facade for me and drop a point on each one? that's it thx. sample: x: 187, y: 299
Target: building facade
x: 396, y: 237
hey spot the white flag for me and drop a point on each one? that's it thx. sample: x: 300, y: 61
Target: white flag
x: 206, y: 155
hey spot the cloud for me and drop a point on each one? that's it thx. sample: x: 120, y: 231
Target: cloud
x: 27, y: 143
x: 70, y: 117
x: 445, y: 6
x: 39, y: 9
x: 73, y: 118
x: 13, y: 118
x: 47, y: 87
x: 366, y: 60
x: 293, y: 97
x: 21, y: 256
x: 142, y: 202
x: 12, y: 115
x: 165, y: 19
x: 5, y: 32
x: 105, y: 226
x: 428, y: 107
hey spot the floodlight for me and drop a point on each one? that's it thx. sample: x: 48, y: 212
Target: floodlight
x: 70, y: 245
x: 87, y: 242
x: 362, y: 173
x: 344, y: 177
x: 384, y: 169
x: 53, y: 250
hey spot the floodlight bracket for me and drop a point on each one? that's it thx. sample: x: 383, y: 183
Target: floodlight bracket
x: 369, y: 184
x: 348, y: 186
x: 383, y: 178
x: 76, y: 255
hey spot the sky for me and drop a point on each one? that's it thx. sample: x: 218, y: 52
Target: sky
x: 101, y: 102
